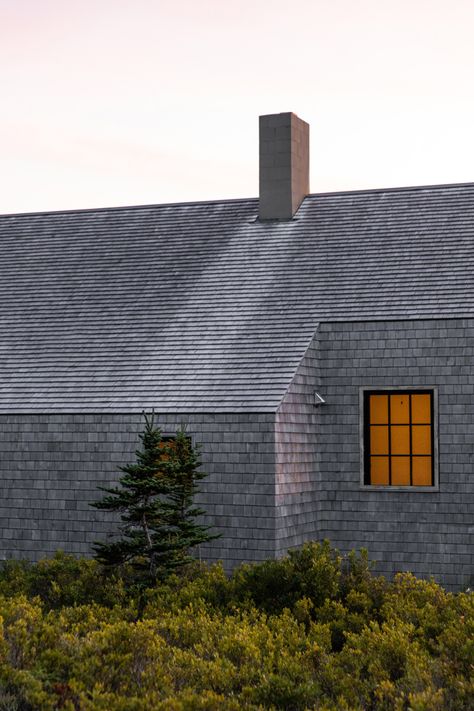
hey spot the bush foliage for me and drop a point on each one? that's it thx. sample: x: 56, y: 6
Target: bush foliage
x: 311, y: 631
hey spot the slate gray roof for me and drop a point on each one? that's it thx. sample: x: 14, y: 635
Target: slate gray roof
x: 201, y: 307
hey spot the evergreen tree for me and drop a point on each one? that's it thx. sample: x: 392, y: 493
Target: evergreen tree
x: 155, y: 500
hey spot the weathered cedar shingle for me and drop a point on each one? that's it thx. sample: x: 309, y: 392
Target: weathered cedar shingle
x: 196, y: 307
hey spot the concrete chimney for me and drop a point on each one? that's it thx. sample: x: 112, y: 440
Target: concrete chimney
x: 284, y: 165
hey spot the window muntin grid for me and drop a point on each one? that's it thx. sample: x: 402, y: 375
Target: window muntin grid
x: 398, y: 438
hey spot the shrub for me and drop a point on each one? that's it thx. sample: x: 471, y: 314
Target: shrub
x: 62, y: 580
x: 312, y: 571
x: 335, y: 639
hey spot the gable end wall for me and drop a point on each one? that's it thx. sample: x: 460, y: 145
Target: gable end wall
x: 427, y: 532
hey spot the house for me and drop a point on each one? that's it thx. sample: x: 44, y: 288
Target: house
x: 319, y: 346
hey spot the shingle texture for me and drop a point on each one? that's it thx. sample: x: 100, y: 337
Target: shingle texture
x: 51, y: 466
x: 201, y: 307
x: 229, y: 325
x: 297, y: 487
x: 429, y: 532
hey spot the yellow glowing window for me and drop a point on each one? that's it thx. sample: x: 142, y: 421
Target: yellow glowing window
x: 398, y: 438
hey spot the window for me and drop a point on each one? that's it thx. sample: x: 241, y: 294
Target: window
x: 167, y: 447
x: 174, y: 448
x: 399, y: 438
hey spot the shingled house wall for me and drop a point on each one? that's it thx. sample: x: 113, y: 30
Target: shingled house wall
x: 51, y: 465
x: 428, y: 532
x: 297, y: 488
x: 274, y: 480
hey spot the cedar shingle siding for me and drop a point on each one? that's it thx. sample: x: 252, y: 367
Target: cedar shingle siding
x: 230, y: 324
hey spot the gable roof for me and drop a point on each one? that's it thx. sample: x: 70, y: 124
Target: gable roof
x: 201, y: 307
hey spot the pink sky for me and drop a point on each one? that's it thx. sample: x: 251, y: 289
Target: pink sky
x: 111, y: 102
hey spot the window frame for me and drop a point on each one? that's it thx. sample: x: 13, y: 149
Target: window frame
x: 364, y: 438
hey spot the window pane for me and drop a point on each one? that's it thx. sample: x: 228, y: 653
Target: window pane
x: 421, y: 408
x: 379, y: 440
x: 399, y: 408
x: 421, y: 439
x: 379, y: 470
x: 166, y: 447
x: 400, y: 439
x: 400, y: 471
x: 378, y: 409
x: 422, y: 475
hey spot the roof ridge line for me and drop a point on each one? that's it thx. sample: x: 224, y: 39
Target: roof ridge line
x: 147, y: 206
x: 125, y: 207
x: 435, y: 186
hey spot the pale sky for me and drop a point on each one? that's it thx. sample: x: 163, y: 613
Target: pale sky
x: 122, y: 102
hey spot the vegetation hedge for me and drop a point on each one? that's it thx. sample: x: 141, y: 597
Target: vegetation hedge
x: 311, y: 631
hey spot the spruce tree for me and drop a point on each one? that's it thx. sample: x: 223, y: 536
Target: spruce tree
x: 155, y: 501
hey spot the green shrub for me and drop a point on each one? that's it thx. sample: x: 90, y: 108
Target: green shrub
x: 62, y: 580
x: 312, y: 571
x: 311, y: 631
